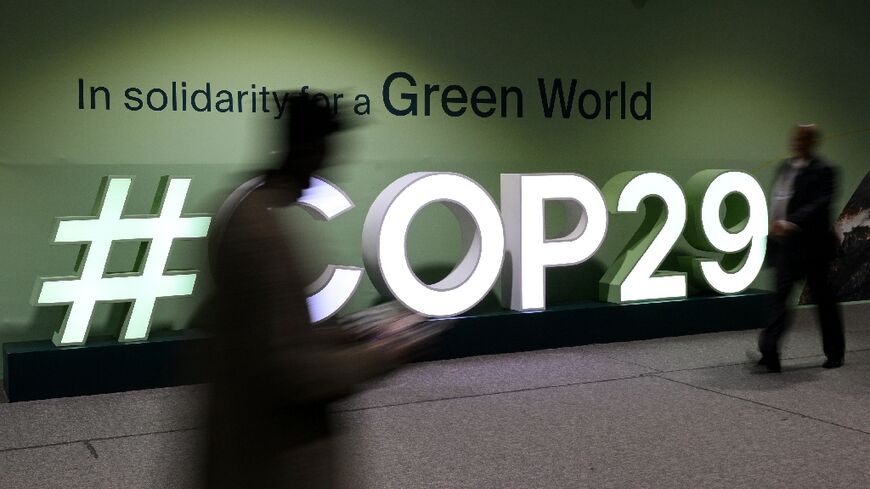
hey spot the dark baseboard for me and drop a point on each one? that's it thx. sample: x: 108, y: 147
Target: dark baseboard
x: 600, y: 322
x: 40, y: 370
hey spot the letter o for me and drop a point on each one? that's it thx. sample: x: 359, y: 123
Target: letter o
x: 385, y: 232
x: 162, y: 105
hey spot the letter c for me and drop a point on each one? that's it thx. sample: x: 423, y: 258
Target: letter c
x: 337, y: 284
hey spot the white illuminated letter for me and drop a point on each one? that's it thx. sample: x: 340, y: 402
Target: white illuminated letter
x: 708, y: 191
x: 529, y: 253
x: 634, y: 276
x: 337, y: 284
x: 386, y: 229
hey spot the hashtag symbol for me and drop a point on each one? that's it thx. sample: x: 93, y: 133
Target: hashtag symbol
x: 143, y: 289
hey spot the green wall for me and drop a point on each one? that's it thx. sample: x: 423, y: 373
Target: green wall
x: 728, y: 81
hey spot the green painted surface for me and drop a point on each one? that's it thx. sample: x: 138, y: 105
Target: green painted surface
x: 728, y: 79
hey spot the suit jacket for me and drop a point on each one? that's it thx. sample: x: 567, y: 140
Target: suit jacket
x: 810, y: 210
x: 274, y: 373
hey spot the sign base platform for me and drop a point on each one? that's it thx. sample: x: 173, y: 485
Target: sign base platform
x: 40, y: 370
x: 590, y: 322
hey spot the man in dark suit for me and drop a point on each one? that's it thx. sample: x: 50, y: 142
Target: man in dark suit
x: 801, y: 244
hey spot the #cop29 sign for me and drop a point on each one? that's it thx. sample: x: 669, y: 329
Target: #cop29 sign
x: 517, y: 231
x: 489, y: 235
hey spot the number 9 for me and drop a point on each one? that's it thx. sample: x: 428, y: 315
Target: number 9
x: 740, y: 231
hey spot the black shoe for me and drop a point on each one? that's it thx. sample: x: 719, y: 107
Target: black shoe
x: 833, y: 363
x: 771, y: 363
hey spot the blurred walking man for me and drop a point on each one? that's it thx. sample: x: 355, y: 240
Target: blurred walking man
x: 801, y: 244
x: 274, y: 373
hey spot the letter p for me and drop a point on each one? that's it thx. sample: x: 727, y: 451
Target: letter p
x: 528, y: 251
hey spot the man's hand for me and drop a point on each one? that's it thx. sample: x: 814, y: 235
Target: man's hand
x: 781, y: 229
x: 394, y: 337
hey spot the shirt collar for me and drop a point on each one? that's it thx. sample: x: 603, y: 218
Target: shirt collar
x: 799, y: 163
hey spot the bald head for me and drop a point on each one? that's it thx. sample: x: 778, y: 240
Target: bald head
x: 805, y: 138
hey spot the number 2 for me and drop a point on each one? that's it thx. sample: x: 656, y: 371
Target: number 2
x: 633, y: 276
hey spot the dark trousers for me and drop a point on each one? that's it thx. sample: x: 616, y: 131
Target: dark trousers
x: 791, y: 266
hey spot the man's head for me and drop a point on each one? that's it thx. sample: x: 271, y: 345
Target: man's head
x: 805, y: 138
x: 307, y: 126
